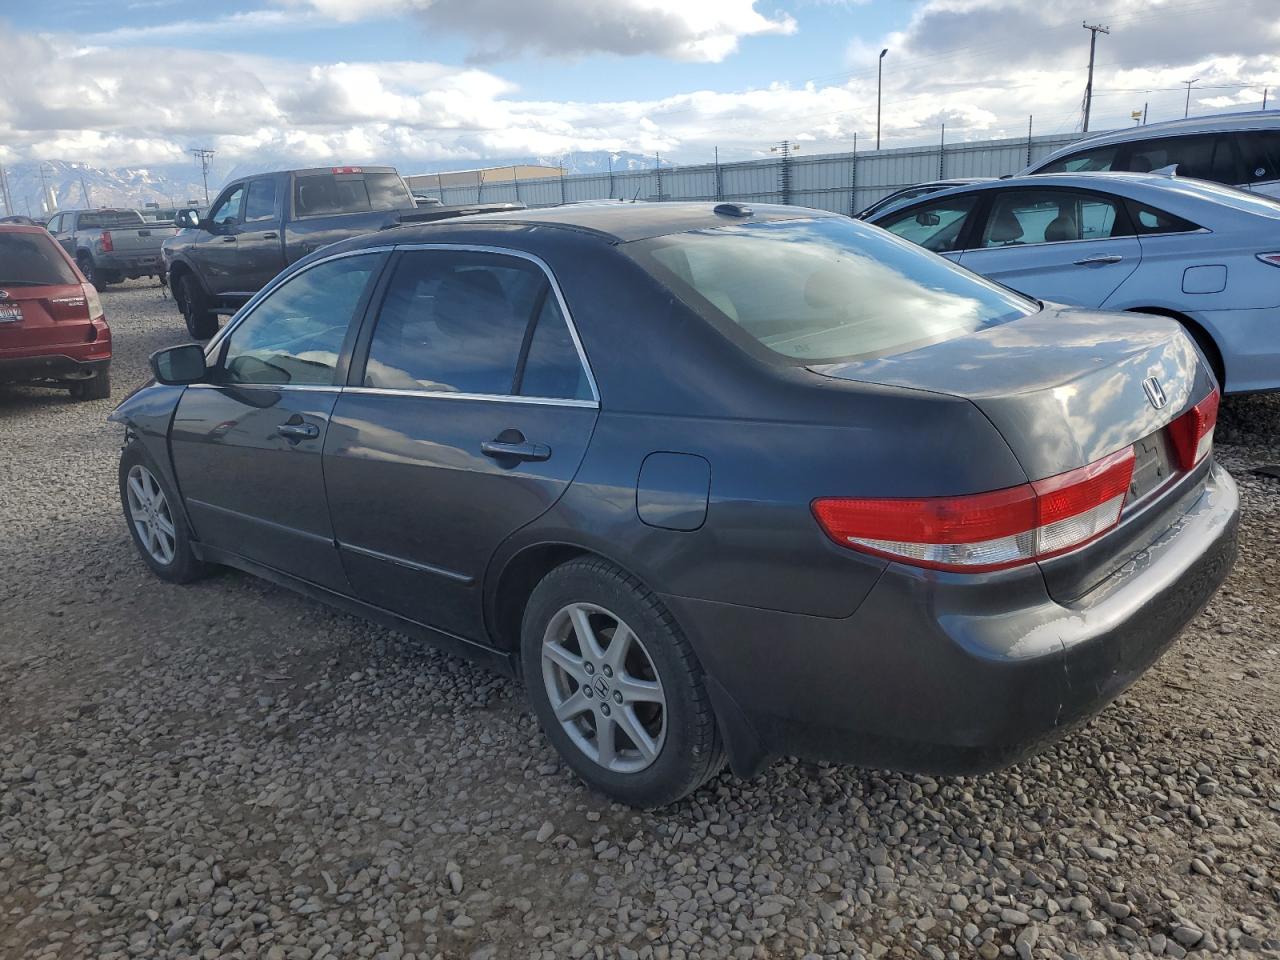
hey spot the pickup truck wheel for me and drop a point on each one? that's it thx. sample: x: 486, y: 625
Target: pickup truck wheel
x: 97, y: 387
x: 202, y: 323
x: 86, y: 267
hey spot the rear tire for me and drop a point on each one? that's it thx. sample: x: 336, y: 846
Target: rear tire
x: 156, y: 525
x: 649, y: 689
x: 91, y: 273
x: 98, y: 387
x: 202, y: 322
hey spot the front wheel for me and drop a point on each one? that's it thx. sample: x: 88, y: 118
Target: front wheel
x: 616, y: 686
x: 202, y: 322
x: 155, y: 523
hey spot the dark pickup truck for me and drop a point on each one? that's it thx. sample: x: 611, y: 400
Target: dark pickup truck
x: 260, y: 224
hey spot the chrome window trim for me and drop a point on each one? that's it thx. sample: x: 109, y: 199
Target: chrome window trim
x: 301, y: 387
x: 560, y: 301
x: 489, y: 397
x: 245, y: 311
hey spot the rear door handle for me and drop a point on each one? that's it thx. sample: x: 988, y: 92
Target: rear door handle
x: 298, y: 431
x: 525, y: 450
x: 1098, y: 261
x: 228, y: 239
x: 271, y: 236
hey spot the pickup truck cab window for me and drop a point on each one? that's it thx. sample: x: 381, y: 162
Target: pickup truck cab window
x: 326, y: 194
x: 260, y: 203
x: 294, y: 336
x: 227, y: 210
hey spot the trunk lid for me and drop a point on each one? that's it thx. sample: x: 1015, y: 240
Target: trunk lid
x: 1065, y: 388
x: 33, y: 317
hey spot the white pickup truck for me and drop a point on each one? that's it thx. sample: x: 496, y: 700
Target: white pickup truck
x: 111, y: 245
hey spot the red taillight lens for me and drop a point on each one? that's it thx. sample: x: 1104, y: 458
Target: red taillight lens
x: 107, y: 244
x: 1271, y: 258
x: 1192, y: 433
x: 986, y: 531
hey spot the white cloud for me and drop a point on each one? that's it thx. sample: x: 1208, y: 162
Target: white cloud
x: 694, y: 30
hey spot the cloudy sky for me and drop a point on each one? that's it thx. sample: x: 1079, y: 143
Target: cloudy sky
x: 131, y: 82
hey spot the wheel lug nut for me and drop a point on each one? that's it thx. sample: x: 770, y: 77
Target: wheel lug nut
x: 589, y: 667
x: 604, y: 708
x: 608, y: 671
x: 617, y: 697
x: 586, y: 692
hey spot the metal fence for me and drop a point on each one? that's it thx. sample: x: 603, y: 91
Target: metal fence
x: 840, y: 182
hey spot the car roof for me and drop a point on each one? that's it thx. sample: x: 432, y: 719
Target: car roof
x: 619, y: 222
x: 21, y: 228
x: 1215, y: 123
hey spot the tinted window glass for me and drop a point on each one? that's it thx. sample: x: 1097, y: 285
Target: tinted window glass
x: 228, y: 211
x: 295, y: 335
x: 387, y: 191
x: 453, y: 322
x: 31, y: 259
x: 1206, y: 157
x: 261, y: 202
x: 54, y: 225
x: 1049, y: 216
x: 327, y: 193
x: 552, y: 367
x: 1086, y: 161
x: 1260, y: 152
x: 110, y: 218
x: 1149, y: 220
x: 823, y: 290
x: 934, y: 226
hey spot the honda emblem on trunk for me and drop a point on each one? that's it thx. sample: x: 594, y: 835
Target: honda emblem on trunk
x: 1155, y: 392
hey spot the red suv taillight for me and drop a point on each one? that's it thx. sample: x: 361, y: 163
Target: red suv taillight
x: 107, y: 243
x: 986, y: 531
x: 1192, y: 433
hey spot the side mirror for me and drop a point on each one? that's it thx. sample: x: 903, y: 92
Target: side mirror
x: 178, y: 366
x: 187, y: 217
x: 928, y: 219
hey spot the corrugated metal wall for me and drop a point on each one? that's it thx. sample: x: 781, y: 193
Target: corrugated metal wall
x: 842, y: 182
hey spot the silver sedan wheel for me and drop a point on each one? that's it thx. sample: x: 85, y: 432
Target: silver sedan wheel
x: 604, y: 688
x: 150, y: 515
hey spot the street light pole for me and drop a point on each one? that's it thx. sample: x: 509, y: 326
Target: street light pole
x: 1187, y: 109
x: 879, y: 85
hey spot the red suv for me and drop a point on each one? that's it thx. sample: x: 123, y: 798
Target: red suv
x: 52, y: 329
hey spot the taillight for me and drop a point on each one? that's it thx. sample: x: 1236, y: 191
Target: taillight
x: 93, y: 300
x: 1271, y: 258
x: 986, y: 531
x: 1192, y: 433
x: 107, y: 244
x: 346, y: 170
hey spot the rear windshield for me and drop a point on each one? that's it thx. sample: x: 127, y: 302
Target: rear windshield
x: 824, y: 290
x: 108, y: 219
x: 32, y: 259
x: 328, y: 193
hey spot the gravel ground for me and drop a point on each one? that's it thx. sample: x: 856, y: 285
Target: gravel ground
x: 229, y: 770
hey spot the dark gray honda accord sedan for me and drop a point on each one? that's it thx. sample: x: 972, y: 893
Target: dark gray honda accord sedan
x: 716, y: 482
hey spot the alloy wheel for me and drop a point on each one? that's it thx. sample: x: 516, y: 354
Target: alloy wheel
x: 149, y: 512
x: 603, y: 687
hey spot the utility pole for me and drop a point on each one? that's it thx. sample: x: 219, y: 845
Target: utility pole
x: 719, y: 181
x: 4, y: 193
x: 1144, y: 112
x: 657, y: 169
x: 1264, y: 97
x: 204, y: 155
x: 1030, y: 117
x: 1094, y: 29
x: 942, y: 154
x: 879, y: 86
x: 853, y: 176
x: 45, y: 198
x: 1186, y: 110
x: 84, y: 190
x: 784, y: 172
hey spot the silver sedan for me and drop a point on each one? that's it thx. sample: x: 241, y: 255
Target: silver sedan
x: 1202, y: 253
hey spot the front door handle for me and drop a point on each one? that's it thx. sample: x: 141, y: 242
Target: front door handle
x: 298, y: 431
x: 228, y: 239
x: 271, y: 236
x: 1099, y: 261
x: 521, y: 450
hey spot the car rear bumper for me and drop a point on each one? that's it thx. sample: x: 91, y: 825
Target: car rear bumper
x: 122, y: 263
x: 946, y: 673
x: 57, y: 366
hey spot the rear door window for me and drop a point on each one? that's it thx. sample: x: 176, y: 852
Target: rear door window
x: 1205, y: 157
x: 1149, y: 221
x: 326, y: 194
x: 1260, y: 155
x: 1021, y: 217
x: 295, y: 334
x: 457, y: 322
x: 32, y: 259
x: 935, y: 226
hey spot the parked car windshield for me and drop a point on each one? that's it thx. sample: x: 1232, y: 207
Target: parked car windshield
x: 32, y: 259
x: 826, y: 289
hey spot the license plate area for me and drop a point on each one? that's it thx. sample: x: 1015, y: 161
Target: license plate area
x: 1152, y: 467
x: 10, y: 313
